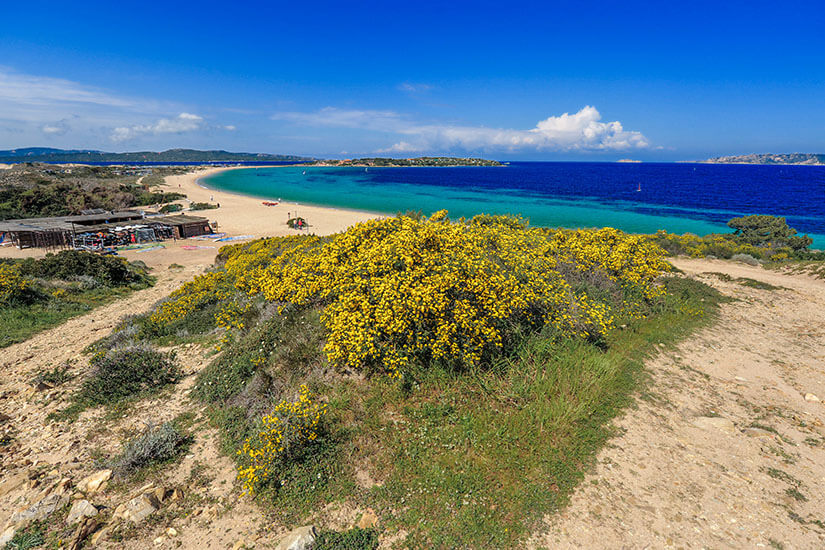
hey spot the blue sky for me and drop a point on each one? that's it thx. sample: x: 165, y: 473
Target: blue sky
x: 544, y: 80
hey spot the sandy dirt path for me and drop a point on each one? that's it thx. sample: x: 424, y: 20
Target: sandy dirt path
x: 726, y: 452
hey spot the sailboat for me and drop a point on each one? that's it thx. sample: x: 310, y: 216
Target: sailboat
x: 639, y: 188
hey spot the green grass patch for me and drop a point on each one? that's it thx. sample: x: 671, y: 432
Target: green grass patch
x: 760, y: 285
x: 19, y: 323
x: 475, y: 460
x: 468, y: 459
x: 120, y: 375
x: 353, y: 539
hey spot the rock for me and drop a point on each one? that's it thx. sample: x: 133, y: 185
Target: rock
x: 301, y: 538
x: 811, y: 398
x: 100, y: 534
x: 159, y: 540
x: 80, y: 509
x: 161, y: 493
x: 11, y: 483
x: 239, y: 544
x: 368, y: 519
x: 714, y: 422
x: 62, y: 486
x: 41, y: 510
x: 757, y: 432
x: 86, y: 528
x: 91, y: 484
x: 177, y: 495
x: 7, y: 535
x: 138, y: 509
x: 172, y: 532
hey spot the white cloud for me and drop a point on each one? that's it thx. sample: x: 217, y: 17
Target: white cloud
x: 24, y: 89
x: 230, y: 127
x: 382, y: 121
x: 184, y: 122
x: 414, y: 88
x: 55, y: 129
x: 581, y: 131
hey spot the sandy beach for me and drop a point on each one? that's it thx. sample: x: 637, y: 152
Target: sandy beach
x: 237, y: 215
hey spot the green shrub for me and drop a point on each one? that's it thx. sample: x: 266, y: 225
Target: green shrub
x: 354, y: 539
x: 156, y: 444
x: 68, y: 265
x: 166, y: 209
x: 202, y: 206
x: 32, y: 536
x: 123, y: 372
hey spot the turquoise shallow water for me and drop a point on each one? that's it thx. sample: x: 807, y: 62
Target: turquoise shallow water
x: 582, y: 195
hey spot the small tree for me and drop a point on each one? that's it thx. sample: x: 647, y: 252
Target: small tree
x: 768, y: 231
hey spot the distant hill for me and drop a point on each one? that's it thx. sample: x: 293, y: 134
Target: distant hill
x: 62, y: 156
x: 771, y: 158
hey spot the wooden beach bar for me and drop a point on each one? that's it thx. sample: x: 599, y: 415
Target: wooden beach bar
x: 98, y: 229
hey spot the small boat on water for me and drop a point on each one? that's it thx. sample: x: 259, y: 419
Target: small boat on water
x: 270, y: 203
x: 640, y: 187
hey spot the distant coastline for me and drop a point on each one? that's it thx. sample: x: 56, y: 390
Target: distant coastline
x: 790, y: 159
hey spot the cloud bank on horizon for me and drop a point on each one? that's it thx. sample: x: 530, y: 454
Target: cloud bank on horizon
x: 36, y: 108
x: 580, y: 131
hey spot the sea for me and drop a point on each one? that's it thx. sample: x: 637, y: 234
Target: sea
x: 633, y: 197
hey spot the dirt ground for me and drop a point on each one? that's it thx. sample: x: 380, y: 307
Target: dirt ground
x: 722, y: 451
x: 726, y: 452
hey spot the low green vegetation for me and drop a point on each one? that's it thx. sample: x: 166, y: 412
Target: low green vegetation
x: 469, y: 449
x: 123, y: 372
x: 202, y: 206
x: 33, y: 190
x: 156, y: 445
x: 354, y: 539
x: 755, y: 239
x: 39, y: 294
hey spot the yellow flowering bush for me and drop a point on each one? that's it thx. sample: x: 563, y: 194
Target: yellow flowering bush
x: 398, y: 289
x: 281, y: 437
x: 15, y: 288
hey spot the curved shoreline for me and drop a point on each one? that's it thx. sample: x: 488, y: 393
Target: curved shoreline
x: 199, y: 182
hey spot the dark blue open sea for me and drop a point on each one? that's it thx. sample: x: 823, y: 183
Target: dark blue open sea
x: 634, y: 197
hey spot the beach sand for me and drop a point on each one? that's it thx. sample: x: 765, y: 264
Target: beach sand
x: 238, y: 215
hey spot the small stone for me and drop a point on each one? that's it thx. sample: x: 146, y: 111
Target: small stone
x: 7, y: 535
x: 92, y: 484
x: 138, y: 509
x: 80, y: 509
x: 53, y: 473
x: 239, y: 544
x: 811, y: 398
x: 757, y: 432
x: 159, y: 540
x: 172, y: 532
x: 12, y: 482
x: 302, y: 538
x: 368, y: 519
x: 740, y: 379
x: 177, y: 495
x: 161, y: 493
x: 100, y: 534
x: 714, y: 422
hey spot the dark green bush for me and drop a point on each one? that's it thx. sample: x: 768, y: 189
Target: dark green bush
x: 123, y: 372
x: 202, y: 206
x: 171, y: 208
x: 68, y: 265
x: 354, y: 539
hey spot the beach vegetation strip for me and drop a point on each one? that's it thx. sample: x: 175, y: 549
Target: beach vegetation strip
x: 36, y: 294
x: 458, y: 377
